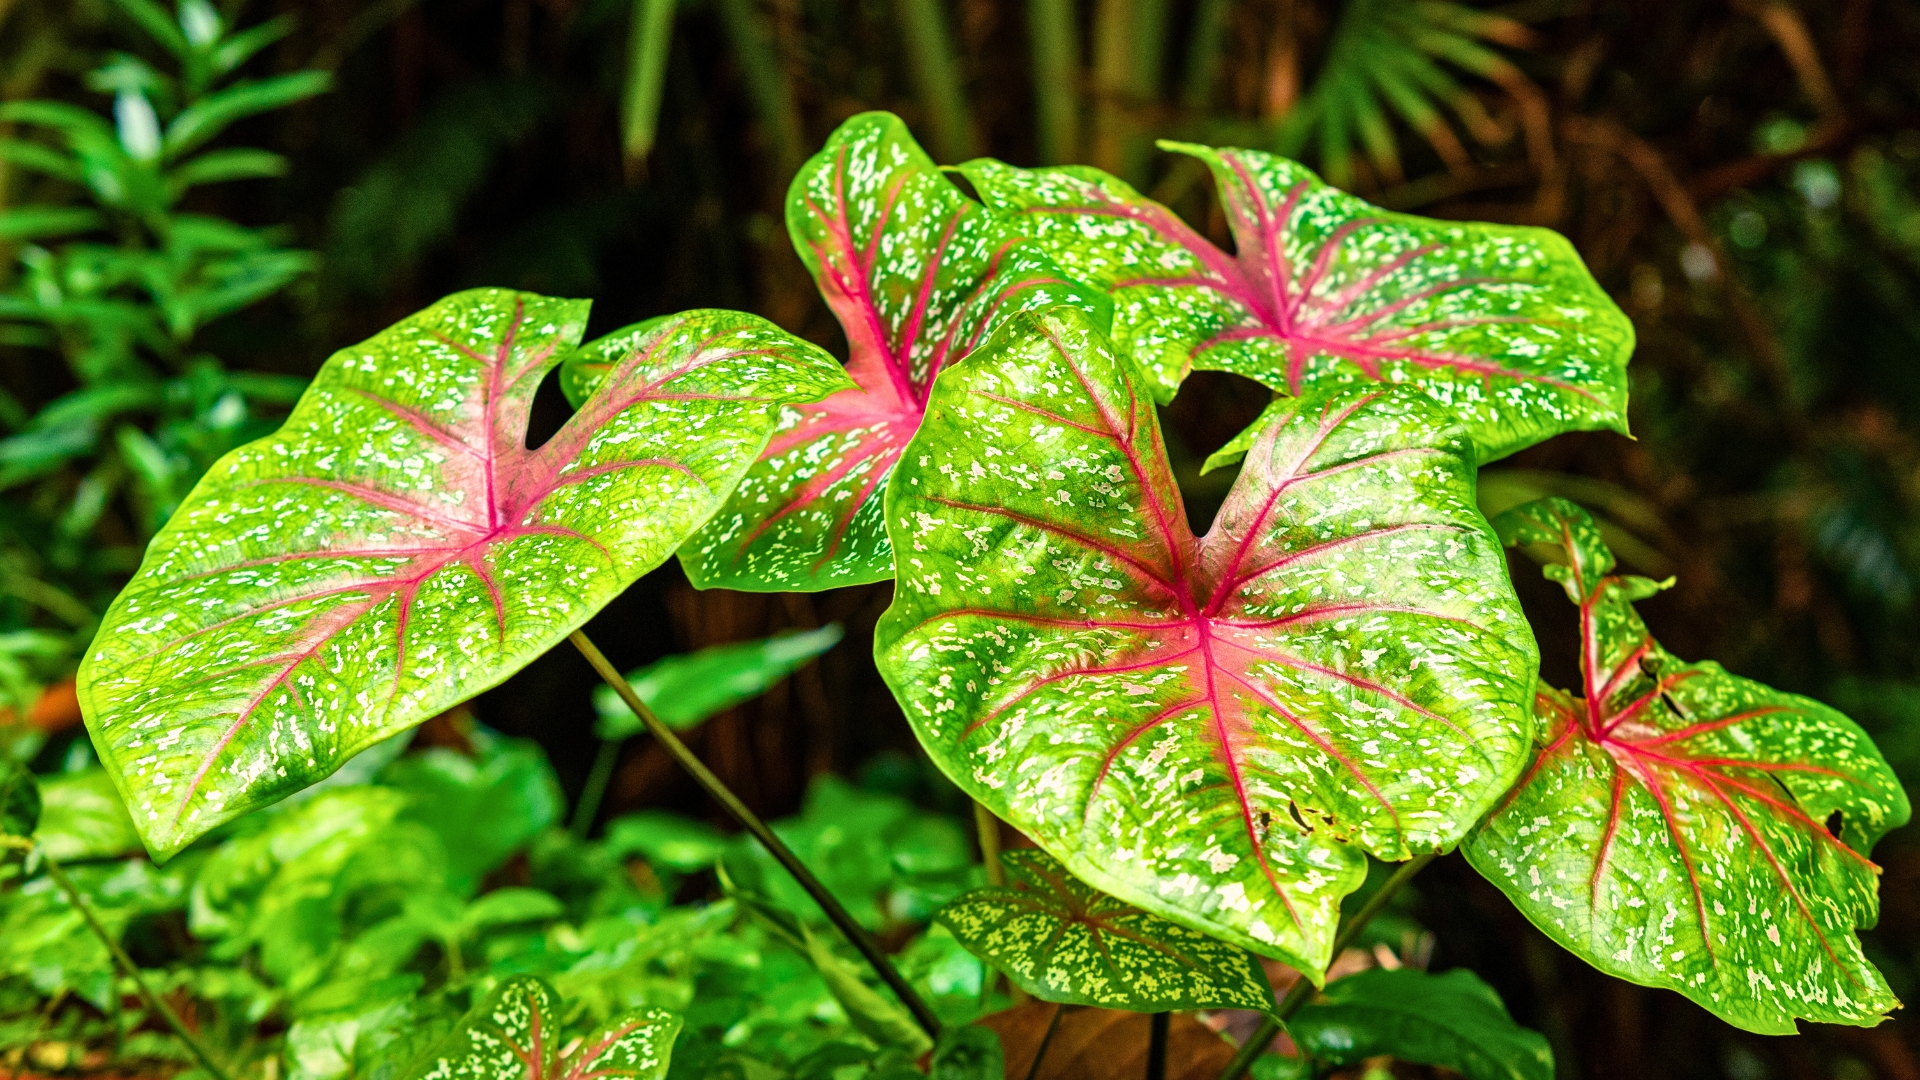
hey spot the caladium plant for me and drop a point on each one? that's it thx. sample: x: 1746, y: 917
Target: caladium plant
x: 1503, y: 325
x: 1216, y: 729
x: 1060, y: 940
x: 515, y: 1033
x: 1685, y: 827
x: 918, y: 275
x: 397, y: 547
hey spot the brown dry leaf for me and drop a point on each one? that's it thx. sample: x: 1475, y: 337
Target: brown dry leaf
x: 1103, y: 1044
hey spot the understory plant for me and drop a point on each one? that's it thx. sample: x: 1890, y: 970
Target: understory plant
x: 1215, y: 741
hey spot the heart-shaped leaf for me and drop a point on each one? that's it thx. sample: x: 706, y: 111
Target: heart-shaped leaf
x: 684, y: 690
x: 1218, y: 729
x: 1501, y: 324
x: 516, y: 1034
x: 917, y: 274
x: 1687, y: 828
x: 396, y: 548
x: 1060, y: 939
x: 1453, y: 1020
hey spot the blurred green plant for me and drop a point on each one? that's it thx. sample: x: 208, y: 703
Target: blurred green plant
x: 116, y: 278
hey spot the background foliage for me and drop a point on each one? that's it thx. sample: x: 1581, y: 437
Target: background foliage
x: 1739, y: 175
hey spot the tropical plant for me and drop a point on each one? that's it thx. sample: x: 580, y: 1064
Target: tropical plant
x: 1215, y: 740
x: 118, y: 279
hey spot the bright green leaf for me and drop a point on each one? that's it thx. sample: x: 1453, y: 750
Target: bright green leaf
x: 667, y: 839
x: 1686, y: 828
x: 1452, y: 1020
x: 918, y: 275
x: 1215, y: 729
x: 41, y: 222
x: 1062, y: 940
x: 211, y: 115
x: 82, y: 817
x: 503, y: 907
x: 684, y: 690
x: 516, y: 1034
x: 1501, y: 324
x: 396, y: 548
x: 484, y: 807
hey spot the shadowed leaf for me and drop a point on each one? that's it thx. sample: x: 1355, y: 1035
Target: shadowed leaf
x: 396, y: 548
x: 684, y: 690
x: 1686, y: 828
x: 1215, y: 729
x: 1061, y: 940
x: 516, y: 1034
x: 1501, y: 324
x: 1453, y: 1020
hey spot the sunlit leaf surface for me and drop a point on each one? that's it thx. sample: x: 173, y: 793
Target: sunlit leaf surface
x: 918, y: 274
x: 1061, y: 940
x: 396, y: 548
x: 1501, y: 324
x: 515, y: 1034
x: 1215, y: 729
x: 1687, y: 828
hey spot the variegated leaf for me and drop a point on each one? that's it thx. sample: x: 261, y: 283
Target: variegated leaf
x: 396, y: 547
x: 515, y: 1034
x: 1501, y: 324
x: 1215, y: 729
x: 1687, y: 828
x: 1060, y: 939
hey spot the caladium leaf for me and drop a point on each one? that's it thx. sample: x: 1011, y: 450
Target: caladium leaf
x: 918, y: 274
x: 396, y: 548
x: 1687, y: 828
x: 1060, y: 939
x: 1217, y: 729
x: 516, y: 1034
x: 1501, y: 324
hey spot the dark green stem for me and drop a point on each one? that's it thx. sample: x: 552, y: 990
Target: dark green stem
x: 1055, y: 35
x: 854, y: 932
x: 767, y: 82
x: 1302, y: 988
x: 647, y: 47
x: 126, y: 964
x: 1204, y: 46
x: 1157, y: 1045
x: 1046, y: 1040
x: 595, y: 790
x: 936, y: 76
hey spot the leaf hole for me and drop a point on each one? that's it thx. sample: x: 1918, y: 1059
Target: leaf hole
x: 1672, y: 704
x: 1835, y: 822
x: 1298, y: 818
x: 550, y: 410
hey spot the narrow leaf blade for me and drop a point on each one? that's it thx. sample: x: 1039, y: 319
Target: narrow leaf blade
x: 396, y: 548
x: 1216, y: 729
x: 684, y: 690
x: 1062, y: 940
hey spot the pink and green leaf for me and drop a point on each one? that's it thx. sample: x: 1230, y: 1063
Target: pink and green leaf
x: 1215, y: 729
x: 517, y: 1033
x: 918, y: 275
x: 1503, y: 325
x: 396, y: 548
x: 1687, y: 828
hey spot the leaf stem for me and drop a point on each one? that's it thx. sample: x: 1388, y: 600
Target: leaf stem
x: 595, y: 789
x: 987, y: 829
x: 1157, y: 1045
x: 1298, y: 993
x: 126, y: 964
x: 854, y: 932
x: 1046, y: 1040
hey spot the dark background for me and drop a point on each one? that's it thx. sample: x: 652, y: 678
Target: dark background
x: 1740, y: 176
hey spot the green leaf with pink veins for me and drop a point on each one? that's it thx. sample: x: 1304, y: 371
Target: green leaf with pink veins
x: 1686, y: 828
x: 1501, y: 324
x: 1215, y: 729
x: 918, y: 274
x: 516, y: 1033
x: 396, y: 548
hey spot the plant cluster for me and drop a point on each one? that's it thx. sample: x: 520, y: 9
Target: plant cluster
x: 1211, y: 738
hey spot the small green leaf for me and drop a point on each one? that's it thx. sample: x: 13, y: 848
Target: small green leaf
x: 969, y: 1052
x: 19, y: 800
x: 1452, y: 1020
x: 666, y: 839
x: 82, y: 817
x: 1216, y: 729
x: 684, y: 690
x: 1501, y: 324
x: 211, y: 115
x: 1686, y: 828
x: 396, y: 547
x: 41, y: 222
x: 1062, y: 940
x: 484, y: 807
x: 516, y: 1034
